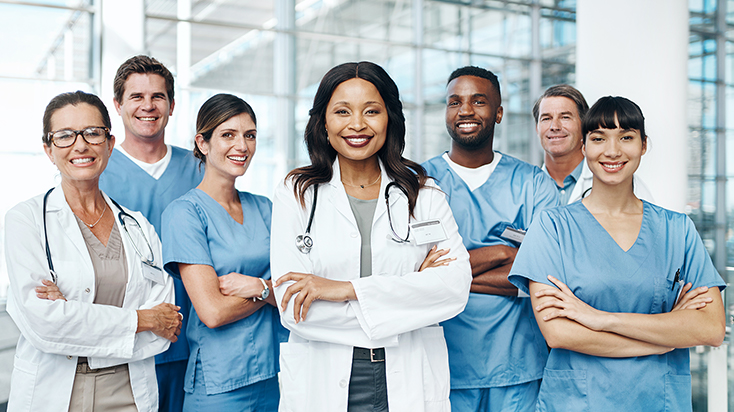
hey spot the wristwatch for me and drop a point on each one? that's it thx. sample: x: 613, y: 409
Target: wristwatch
x: 265, y: 293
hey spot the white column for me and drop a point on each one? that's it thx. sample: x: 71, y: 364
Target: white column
x: 284, y: 84
x: 185, y: 121
x: 123, y: 36
x: 639, y: 50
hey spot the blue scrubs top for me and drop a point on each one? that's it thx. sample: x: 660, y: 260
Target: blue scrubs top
x: 134, y: 188
x: 203, y: 233
x: 495, y: 341
x: 570, y: 244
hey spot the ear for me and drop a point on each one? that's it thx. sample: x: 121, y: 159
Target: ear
x: 644, y: 145
x: 111, y: 144
x: 583, y: 149
x: 201, y: 144
x: 48, y: 149
x: 170, y: 110
x: 500, y: 111
x: 118, y: 106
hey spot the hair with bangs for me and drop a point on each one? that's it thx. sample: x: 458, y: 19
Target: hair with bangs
x: 408, y: 174
x: 612, y: 111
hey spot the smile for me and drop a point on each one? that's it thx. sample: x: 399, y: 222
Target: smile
x: 357, y: 141
x: 147, y: 119
x: 82, y: 160
x: 613, y: 167
x: 468, y: 125
x: 241, y: 159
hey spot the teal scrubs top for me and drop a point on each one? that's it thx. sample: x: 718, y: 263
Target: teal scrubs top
x: 570, y: 244
x: 134, y: 188
x: 201, y: 232
x: 495, y: 341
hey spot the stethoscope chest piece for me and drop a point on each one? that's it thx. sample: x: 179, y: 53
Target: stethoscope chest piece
x: 304, y: 243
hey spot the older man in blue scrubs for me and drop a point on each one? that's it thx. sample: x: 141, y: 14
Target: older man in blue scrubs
x: 496, y: 351
x: 146, y: 174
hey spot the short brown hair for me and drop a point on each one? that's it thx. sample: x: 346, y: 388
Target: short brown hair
x: 563, y: 90
x: 144, y: 65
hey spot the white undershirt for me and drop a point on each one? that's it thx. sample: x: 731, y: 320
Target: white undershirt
x: 156, y: 169
x: 474, y: 177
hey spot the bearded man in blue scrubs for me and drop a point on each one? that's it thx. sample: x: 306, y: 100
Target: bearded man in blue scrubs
x: 146, y: 174
x: 496, y: 351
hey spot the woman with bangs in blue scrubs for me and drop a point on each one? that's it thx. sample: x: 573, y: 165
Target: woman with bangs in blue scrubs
x: 218, y: 242
x: 634, y: 285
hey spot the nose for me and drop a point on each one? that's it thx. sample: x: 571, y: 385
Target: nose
x: 80, y: 145
x: 555, y: 124
x: 466, y: 109
x: 148, y: 104
x: 356, y: 122
x: 612, y: 148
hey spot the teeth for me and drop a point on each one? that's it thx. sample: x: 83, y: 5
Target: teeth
x: 612, y: 166
x: 147, y: 119
x: 468, y: 125
x: 80, y: 161
x: 358, y: 140
x: 237, y: 158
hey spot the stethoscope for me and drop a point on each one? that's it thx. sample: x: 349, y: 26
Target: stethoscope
x: 304, y: 242
x: 125, y: 219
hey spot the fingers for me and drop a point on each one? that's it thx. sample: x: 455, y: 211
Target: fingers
x: 290, y: 276
x: 562, y: 286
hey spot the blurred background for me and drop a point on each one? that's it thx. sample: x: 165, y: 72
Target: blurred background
x: 673, y: 57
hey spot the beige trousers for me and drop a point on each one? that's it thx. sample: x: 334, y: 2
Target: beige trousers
x: 97, y: 390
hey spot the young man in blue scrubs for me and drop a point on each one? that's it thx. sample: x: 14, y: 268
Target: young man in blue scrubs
x: 558, y: 113
x: 146, y: 174
x: 496, y: 351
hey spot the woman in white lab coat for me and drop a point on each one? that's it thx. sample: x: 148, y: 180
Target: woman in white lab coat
x: 86, y: 291
x: 361, y: 292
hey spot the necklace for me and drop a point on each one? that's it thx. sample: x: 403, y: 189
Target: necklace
x: 363, y: 186
x: 100, y: 217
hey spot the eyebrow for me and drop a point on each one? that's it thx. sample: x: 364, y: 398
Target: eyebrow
x: 456, y: 96
x: 549, y: 113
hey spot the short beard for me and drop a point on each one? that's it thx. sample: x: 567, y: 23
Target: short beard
x: 479, y: 141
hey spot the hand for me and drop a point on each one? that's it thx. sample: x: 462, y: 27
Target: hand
x: 567, y: 305
x: 692, y: 299
x: 309, y: 288
x: 49, y: 291
x: 243, y: 286
x: 432, y: 259
x: 164, y: 320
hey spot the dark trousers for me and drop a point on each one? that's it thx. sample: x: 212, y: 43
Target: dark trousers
x: 367, y: 387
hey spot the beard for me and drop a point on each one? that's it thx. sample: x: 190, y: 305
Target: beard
x: 471, y: 142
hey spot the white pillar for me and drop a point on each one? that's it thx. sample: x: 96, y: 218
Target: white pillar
x: 639, y: 50
x: 123, y: 36
x: 185, y: 133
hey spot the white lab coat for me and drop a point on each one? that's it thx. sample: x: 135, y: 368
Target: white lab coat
x: 586, y: 180
x: 397, y: 307
x: 55, y: 333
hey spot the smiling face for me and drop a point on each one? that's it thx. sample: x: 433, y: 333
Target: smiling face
x: 559, y: 127
x: 356, y: 120
x: 231, y: 147
x: 472, y: 109
x: 145, y: 107
x: 613, y: 155
x: 81, y: 161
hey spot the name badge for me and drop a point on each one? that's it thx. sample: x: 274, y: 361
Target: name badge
x: 428, y: 231
x: 153, y: 273
x: 515, y: 235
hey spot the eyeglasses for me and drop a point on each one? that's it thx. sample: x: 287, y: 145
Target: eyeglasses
x: 92, y: 135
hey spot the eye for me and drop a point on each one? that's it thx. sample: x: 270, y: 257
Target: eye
x: 250, y: 136
x: 373, y: 111
x: 628, y: 137
x: 341, y: 112
x: 228, y: 135
x: 452, y: 104
x: 479, y: 102
x: 566, y: 117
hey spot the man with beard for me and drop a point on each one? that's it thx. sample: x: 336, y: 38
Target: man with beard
x: 496, y: 351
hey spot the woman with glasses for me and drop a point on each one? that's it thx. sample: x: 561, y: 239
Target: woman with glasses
x: 217, y: 240
x: 621, y: 287
x: 86, y: 289
x: 356, y: 235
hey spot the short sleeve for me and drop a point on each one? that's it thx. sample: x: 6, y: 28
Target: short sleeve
x: 698, y: 267
x: 546, y: 193
x: 184, y: 237
x: 538, y: 256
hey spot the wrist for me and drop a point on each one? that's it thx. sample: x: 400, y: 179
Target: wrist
x: 265, y: 291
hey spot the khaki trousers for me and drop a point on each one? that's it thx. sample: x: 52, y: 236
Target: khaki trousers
x: 97, y: 390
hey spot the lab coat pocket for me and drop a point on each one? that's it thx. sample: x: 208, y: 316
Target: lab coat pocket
x: 563, y: 390
x: 677, y: 393
x: 294, y: 376
x: 22, y: 384
x: 435, y: 364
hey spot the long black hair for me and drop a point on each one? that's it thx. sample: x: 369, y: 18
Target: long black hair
x: 408, y: 174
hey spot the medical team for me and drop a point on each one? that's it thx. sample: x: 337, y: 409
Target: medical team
x: 389, y: 285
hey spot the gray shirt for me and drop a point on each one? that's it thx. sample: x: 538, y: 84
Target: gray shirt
x: 364, y: 212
